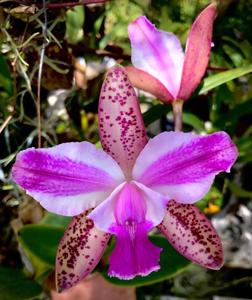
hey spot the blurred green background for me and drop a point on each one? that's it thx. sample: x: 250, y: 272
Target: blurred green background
x: 81, y: 44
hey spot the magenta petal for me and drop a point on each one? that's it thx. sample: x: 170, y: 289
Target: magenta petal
x: 79, y: 251
x: 197, y: 51
x: 121, y: 126
x: 192, y: 234
x: 148, y: 83
x: 133, y: 254
x: 69, y: 178
x: 182, y: 166
x: 156, y: 52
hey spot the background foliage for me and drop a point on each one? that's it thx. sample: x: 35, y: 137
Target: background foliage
x: 81, y: 43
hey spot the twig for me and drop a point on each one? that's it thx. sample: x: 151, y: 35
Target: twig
x: 72, y: 4
x: 62, y: 5
x: 217, y: 69
x: 5, y: 123
x: 40, y: 70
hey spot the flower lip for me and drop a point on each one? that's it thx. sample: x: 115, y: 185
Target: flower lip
x: 131, y: 228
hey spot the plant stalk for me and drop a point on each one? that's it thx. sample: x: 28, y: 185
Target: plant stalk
x: 177, y: 107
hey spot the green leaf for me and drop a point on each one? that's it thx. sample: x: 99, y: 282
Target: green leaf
x: 213, y: 81
x: 6, y: 87
x: 234, y: 55
x: 244, y: 145
x: 55, y: 220
x: 192, y: 120
x: 233, y: 115
x: 5, y: 77
x: 118, y: 16
x: 15, y: 285
x: 155, y: 113
x: 171, y: 263
x: 74, y: 24
x: 238, y: 191
x: 41, y: 241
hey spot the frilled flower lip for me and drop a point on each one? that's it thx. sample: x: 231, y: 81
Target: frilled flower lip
x: 160, y: 65
x: 71, y: 178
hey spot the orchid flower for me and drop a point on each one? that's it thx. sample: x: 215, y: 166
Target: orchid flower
x: 161, y: 67
x: 132, y: 185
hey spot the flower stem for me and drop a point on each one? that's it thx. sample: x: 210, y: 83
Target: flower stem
x: 177, y: 107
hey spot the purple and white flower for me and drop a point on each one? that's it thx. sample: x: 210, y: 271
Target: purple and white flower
x: 132, y: 185
x: 160, y: 65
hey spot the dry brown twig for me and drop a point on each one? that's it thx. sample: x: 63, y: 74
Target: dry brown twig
x: 29, y: 3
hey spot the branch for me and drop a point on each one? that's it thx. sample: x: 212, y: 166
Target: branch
x: 217, y: 69
x: 60, y: 5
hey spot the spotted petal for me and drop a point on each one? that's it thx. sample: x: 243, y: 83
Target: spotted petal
x: 121, y: 126
x: 79, y: 251
x: 197, y: 51
x: 182, y: 166
x: 69, y: 178
x: 192, y: 234
x: 156, y: 52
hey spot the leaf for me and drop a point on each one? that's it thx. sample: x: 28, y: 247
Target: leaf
x: 15, y: 285
x: 171, y: 263
x: 55, y: 220
x: 74, y: 24
x: 192, y: 120
x: 244, y: 145
x: 5, y: 77
x: 118, y: 15
x: 213, y: 81
x: 233, y: 115
x: 41, y: 241
x: 238, y: 191
x: 155, y: 112
x: 6, y: 87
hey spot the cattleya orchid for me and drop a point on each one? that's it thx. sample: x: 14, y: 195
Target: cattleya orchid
x: 126, y: 189
x: 160, y: 65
